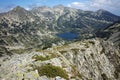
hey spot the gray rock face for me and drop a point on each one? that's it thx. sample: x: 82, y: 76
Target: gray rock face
x: 89, y: 59
x: 95, y: 62
x: 111, y: 33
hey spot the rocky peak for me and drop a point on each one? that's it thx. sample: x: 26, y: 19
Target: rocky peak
x: 104, y: 12
x: 41, y: 9
x: 19, y: 14
x: 101, y: 10
x: 18, y: 8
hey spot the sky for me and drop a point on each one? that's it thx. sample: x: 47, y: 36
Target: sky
x: 92, y: 5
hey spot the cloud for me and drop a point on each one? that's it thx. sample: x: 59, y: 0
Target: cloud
x: 107, y: 4
x: 77, y: 4
x: 110, y: 5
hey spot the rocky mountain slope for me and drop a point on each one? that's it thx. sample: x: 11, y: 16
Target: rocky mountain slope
x: 31, y: 50
x: 82, y: 60
x: 111, y: 33
x: 32, y: 28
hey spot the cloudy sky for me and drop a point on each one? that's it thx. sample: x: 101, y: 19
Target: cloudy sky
x: 110, y: 5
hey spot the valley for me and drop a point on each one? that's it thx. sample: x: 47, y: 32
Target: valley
x: 59, y: 43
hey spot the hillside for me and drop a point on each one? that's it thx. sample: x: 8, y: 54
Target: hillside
x: 111, y: 33
x: 32, y: 28
x: 59, y: 43
x: 82, y: 60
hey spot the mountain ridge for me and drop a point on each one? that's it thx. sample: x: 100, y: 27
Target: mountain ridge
x: 111, y: 33
x: 49, y: 21
x: 82, y: 60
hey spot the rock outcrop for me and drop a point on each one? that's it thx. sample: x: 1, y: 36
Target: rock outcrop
x: 93, y: 59
x: 111, y: 33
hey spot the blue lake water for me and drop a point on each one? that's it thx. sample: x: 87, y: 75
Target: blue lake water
x: 68, y: 35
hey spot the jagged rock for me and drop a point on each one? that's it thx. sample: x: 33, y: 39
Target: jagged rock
x: 111, y: 33
x: 89, y: 59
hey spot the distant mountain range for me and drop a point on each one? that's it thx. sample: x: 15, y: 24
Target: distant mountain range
x: 38, y: 26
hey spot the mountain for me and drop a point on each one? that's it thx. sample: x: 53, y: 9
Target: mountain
x: 111, y: 33
x: 18, y: 14
x: 22, y: 25
x: 31, y: 50
x: 82, y: 60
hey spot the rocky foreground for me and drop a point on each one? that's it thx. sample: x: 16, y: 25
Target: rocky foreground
x: 83, y: 60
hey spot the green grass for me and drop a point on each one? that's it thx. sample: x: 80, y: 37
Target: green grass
x: 75, y: 72
x: 42, y: 58
x: 62, y: 52
x: 52, y: 71
x: 18, y: 51
x: 76, y: 51
x: 92, y: 42
x: 86, y: 45
x: 82, y: 50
